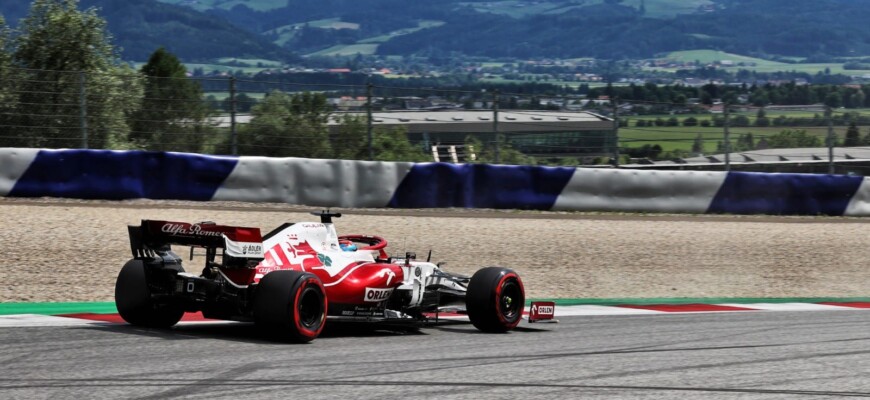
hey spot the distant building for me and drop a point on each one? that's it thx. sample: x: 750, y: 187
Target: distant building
x: 847, y: 160
x: 533, y: 132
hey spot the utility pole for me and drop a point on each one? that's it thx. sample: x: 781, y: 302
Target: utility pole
x: 369, y: 88
x: 233, y: 133
x: 727, y: 138
x: 495, y: 125
x: 83, y: 109
x: 616, y: 132
x: 830, y: 140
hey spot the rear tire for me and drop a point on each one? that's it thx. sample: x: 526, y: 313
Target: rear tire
x: 291, y: 304
x: 495, y: 299
x: 133, y: 299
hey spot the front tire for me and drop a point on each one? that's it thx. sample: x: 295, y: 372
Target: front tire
x: 292, y: 304
x: 495, y: 299
x: 134, y: 302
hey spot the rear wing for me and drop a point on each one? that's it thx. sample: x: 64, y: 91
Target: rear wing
x: 151, y: 237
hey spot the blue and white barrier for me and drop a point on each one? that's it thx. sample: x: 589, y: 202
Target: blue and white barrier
x: 116, y: 175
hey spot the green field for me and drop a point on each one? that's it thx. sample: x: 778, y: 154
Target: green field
x: 225, y: 68
x: 224, y: 95
x: 571, y: 84
x: 520, y: 9
x: 346, y: 50
x: 250, y: 61
x: 420, y: 26
x: 754, y: 64
x: 369, y: 46
x: 202, y: 5
x: 286, y: 32
x: 682, y: 137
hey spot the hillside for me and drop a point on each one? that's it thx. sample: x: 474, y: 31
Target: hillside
x: 608, y: 29
x: 604, y: 29
x: 141, y: 26
x: 798, y: 28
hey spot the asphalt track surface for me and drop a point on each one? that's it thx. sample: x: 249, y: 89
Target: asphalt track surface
x: 745, y: 355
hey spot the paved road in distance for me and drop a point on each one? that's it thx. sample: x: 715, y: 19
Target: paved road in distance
x: 752, y: 355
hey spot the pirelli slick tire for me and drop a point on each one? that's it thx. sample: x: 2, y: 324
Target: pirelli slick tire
x: 134, y: 302
x: 495, y: 299
x: 291, y: 304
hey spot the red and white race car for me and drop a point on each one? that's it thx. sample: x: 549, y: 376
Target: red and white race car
x: 299, y: 276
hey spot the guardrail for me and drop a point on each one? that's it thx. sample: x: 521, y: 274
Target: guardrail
x: 116, y: 175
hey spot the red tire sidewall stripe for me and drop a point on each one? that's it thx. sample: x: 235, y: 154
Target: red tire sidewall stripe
x: 301, y: 328
x: 498, y: 288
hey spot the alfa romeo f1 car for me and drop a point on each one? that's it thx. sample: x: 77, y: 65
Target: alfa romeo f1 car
x: 299, y: 276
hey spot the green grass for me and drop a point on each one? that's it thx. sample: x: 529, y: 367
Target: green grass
x: 420, y: 26
x: 347, y: 50
x: 287, y: 32
x: 223, y: 68
x: 668, y: 8
x: 682, y: 137
x: 520, y: 9
x: 760, y: 65
x: 259, y: 5
x: 250, y: 61
x: 572, y: 84
x: 223, y: 95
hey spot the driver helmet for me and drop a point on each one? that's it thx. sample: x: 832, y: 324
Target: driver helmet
x: 347, y: 245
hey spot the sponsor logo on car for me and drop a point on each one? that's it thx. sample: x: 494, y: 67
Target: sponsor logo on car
x: 377, y: 294
x: 324, y: 259
x: 183, y: 229
x: 388, y: 273
x: 542, y: 310
x: 253, y: 249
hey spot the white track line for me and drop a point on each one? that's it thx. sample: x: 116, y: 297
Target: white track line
x: 35, y: 320
x: 565, y: 311
x: 32, y: 320
x: 791, y: 307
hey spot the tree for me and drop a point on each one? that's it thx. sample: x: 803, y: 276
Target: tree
x: 740, y: 120
x: 351, y: 140
x: 391, y: 144
x: 8, y: 97
x: 68, y: 52
x: 761, y: 118
x: 833, y: 99
x: 173, y: 112
x: 285, y: 126
x: 745, y: 142
x: 789, y: 138
x: 507, y: 153
x: 853, y: 136
x: 698, y: 145
x: 865, y: 141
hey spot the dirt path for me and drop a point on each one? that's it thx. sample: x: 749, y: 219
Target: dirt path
x: 71, y: 250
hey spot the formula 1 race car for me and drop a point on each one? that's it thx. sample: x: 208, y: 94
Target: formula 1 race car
x: 299, y: 276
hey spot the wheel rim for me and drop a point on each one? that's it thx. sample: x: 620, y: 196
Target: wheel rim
x: 510, y: 302
x: 310, y: 308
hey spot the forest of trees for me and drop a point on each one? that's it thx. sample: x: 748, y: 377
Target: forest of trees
x: 140, y: 26
x: 62, y: 86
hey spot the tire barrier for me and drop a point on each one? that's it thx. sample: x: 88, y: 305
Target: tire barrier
x: 118, y: 175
